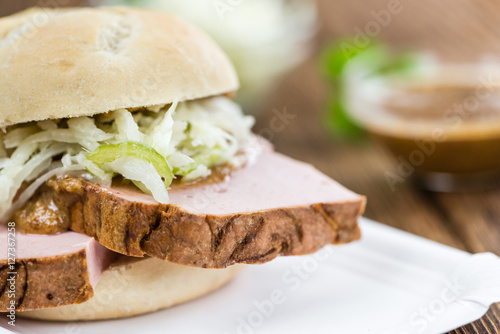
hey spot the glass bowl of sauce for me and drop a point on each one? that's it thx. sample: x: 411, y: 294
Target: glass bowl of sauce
x: 441, y: 122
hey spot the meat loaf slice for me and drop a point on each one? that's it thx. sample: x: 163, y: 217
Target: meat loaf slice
x: 49, y: 270
x: 275, y: 206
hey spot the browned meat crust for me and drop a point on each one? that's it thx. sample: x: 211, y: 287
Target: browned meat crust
x: 46, y: 282
x: 171, y: 233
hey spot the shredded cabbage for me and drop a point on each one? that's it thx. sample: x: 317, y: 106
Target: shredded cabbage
x: 106, y: 155
x: 150, y: 147
x: 143, y: 173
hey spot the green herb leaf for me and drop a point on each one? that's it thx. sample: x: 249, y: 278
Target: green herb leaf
x: 375, y: 59
x: 338, y: 121
x: 335, y: 57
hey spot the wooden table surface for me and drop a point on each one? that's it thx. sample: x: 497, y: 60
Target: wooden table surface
x: 456, y: 29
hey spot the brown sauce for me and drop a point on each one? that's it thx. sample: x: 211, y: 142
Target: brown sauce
x: 440, y: 103
x: 41, y: 215
x: 450, y: 156
x: 467, y: 137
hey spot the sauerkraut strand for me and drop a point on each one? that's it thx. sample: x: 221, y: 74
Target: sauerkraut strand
x: 106, y: 156
x: 150, y: 147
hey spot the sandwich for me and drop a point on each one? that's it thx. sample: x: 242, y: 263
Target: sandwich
x: 129, y: 179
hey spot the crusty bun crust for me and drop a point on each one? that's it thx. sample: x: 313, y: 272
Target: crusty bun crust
x: 80, y: 62
x: 133, y: 286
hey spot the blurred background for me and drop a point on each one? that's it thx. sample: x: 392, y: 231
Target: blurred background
x: 295, y: 60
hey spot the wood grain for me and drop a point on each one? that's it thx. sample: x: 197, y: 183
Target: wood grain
x: 452, y: 29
